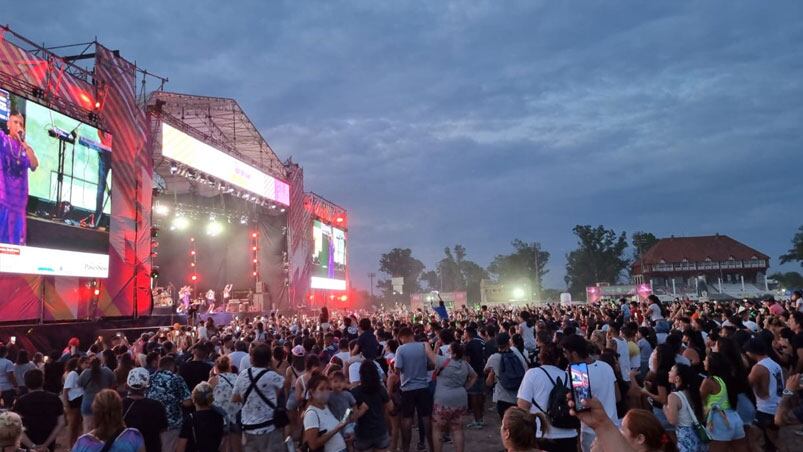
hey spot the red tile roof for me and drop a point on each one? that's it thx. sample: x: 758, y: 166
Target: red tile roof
x: 698, y: 249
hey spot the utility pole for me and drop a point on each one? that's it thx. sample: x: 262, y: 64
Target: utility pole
x: 372, y: 275
x: 537, y: 272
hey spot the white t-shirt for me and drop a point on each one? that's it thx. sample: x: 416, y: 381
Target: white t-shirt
x: 495, y: 363
x: 603, y: 381
x: 354, y: 371
x: 655, y: 312
x: 344, y: 356
x: 528, y: 334
x: 323, y: 419
x: 244, y: 363
x: 536, y: 386
x: 624, y: 357
x: 71, y: 384
x: 236, y: 357
x: 256, y: 411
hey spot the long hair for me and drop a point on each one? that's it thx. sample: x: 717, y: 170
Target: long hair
x: 643, y: 422
x: 728, y: 348
x: 690, y: 383
x: 457, y: 349
x: 107, y: 412
x: 665, y: 358
x: 22, y: 357
x: 696, y: 341
x: 94, y: 368
x: 72, y: 364
x: 369, y: 377
x: 521, y: 425
x: 718, y: 366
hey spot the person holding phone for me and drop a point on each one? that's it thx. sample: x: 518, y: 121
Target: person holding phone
x: 321, y: 428
x: 602, y: 383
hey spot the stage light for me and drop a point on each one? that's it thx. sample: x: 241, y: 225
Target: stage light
x: 254, y: 248
x: 173, y: 168
x: 192, y: 264
x: 192, y: 239
x: 161, y: 209
x: 194, y: 278
x: 344, y: 298
x: 192, y: 253
x: 282, y: 210
x: 243, y: 220
x: 255, y: 261
x: 97, y: 292
x: 214, y: 228
x: 312, y: 298
x: 255, y: 273
x: 518, y: 293
x: 181, y: 222
x: 254, y: 234
x: 339, y: 220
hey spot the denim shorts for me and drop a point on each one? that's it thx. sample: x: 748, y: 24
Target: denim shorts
x: 725, y: 425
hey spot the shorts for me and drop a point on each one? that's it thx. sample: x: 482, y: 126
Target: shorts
x: 419, y: 400
x: 86, y: 405
x: 478, y: 388
x: 445, y: 415
x: 725, y: 425
x: 381, y: 442
x: 765, y: 421
x: 75, y: 403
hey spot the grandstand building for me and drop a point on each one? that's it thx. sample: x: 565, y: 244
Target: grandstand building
x: 714, y: 266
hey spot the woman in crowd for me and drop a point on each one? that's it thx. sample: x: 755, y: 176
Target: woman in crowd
x: 73, y: 395
x: 124, y: 365
x: 644, y: 433
x: 22, y: 366
x: 372, y: 432
x: 738, y: 369
x: 202, y: 430
x: 724, y: 424
x: 222, y: 382
x: 658, y: 383
x: 107, y: 412
x: 93, y: 380
x: 453, y: 378
x: 684, y: 408
x: 694, y: 348
x: 518, y: 430
x: 321, y: 428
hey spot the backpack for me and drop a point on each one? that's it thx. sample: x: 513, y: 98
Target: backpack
x: 557, y: 409
x: 511, y: 371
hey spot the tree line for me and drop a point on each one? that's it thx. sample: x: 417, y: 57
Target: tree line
x: 601, y: 255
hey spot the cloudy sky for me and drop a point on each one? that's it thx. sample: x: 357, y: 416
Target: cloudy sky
x: 478, y: 122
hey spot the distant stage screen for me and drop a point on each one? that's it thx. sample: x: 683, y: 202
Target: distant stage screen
x: 178, y: 146
x: 55, y: 192
x: 328, y: 257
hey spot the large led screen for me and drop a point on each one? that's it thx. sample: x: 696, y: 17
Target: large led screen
x: 328, y: 257
x: 55, y: 192
x: 178, y: 146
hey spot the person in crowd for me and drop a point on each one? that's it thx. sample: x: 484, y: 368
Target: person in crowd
x: 601, y: 378
x: 502, y: 396
x: 258, y: 389
x: 125, y: 363
x: 148, y: 416
x: 684, y: 408
x: 21, y: 367
x: 724, y: 424
x: 42, y: 412
x: 342, y: 399
x: 54, y: 373
x: 367, y: 344
x: 11, y: 432
x: 534, y: 392
x: 412, y: 360
x: 95, y: 378
x: 321, y: 429
x: 73, y: 395
x: 475, y: 355
x: 171, y: 391
x: 766, y: 381
x: 658, y: 386
x: 454, y: 376
x: 203, y: 429
x: 644, y: 433
x: 197, y: 369
x: 372, y: 432
x: 518, y: 430
x: 8, y: 380
x: 109, y: 432
x: 222, y: 382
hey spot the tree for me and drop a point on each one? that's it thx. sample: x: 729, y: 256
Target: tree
x: 642, y: 241
x: 599, y: 257
x: 789, y: 280
x: 432, y: 279
x: 521, y: 263
x: 795, y: 254
x: 400, y: 263
x: 456, y: 273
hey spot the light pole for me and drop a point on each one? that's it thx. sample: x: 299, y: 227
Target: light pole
x: 372, y: 275
x: 537, y: 273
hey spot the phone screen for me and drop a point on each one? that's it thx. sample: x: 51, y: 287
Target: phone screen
x: 581, y: 385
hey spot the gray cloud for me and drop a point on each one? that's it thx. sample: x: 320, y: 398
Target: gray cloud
x: 478, y: 122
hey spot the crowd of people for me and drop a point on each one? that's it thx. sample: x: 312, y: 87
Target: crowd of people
x: 684, y: 375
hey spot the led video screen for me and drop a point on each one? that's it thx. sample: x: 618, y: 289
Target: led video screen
x: 328, y: 257
x: 178, y: 146
x: 55, y: 192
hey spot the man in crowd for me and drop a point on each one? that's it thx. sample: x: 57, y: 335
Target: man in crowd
x: 172, y: 391
x: 257, y: 388
x: 412, y: 363
x: 8, y: 383
x: 504, y: 397
x: 475, y: 354
x: 146, y: 415
x: 42, y: 412
x: 766, y: 380
x: 197, y: 370
x: 366, y: 342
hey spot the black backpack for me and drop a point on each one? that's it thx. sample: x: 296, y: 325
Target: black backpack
x: 557, y: 409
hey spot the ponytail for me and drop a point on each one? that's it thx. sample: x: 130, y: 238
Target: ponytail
x: 521, y: 427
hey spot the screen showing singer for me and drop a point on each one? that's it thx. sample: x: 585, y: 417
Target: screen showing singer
x: 55, y: 192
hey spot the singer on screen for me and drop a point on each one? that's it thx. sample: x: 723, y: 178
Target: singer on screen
x: 16, y: 157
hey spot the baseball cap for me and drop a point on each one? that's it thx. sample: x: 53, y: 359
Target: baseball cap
x: 138, y: 378
x: 74, y: 342
x: 298, y: 350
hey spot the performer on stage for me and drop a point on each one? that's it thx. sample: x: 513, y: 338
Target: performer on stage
x: 16, y: 157
x: 210, y: 301
x: 227, y: 293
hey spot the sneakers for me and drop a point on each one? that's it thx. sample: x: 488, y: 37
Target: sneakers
x: 475, y: 425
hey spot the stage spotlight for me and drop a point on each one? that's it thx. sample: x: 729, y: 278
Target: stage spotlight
x: 254, y: 234
x: 339, y: 220
x: 181, y: 223
x: 344, y: 298
x: 273, y: 206
x: 194, y: 278
x: 214, y: 228
x: 161, y: 209
x: 282, y: 210
x: 255, y: 261
x: 518, y: 293
x: 97, y: 292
